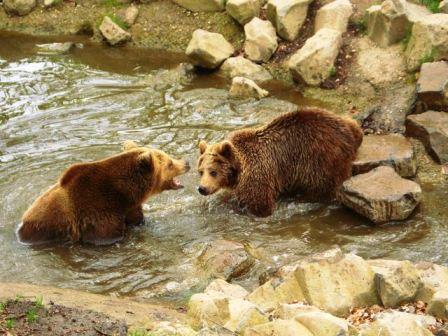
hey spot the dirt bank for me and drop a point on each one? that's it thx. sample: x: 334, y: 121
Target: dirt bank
x: 100, y: 308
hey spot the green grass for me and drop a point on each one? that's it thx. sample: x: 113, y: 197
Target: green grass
x: 115, y: 19
x: 361, y: 26
x: 432, y: 5
x: 19, y: 298
x: 39, y: 303
x: 9, y: 323
x: 31, y: 316
x: 407, y: 37
x: 429, y: 57
x: 112, y: 3
x: 332, y: 72
x: 2, y: 307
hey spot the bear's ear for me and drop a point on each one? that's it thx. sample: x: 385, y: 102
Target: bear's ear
x: 145, y: 161
x: 202, y: 146
x: 129, y: 144
x: 225, y: 149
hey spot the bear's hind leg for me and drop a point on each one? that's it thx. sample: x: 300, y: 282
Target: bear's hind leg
x: 106, y: 230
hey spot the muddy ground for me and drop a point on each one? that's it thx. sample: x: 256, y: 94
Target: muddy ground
x: 23, y: 318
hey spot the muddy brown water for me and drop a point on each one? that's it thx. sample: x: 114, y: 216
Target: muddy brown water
x: 56, y: 110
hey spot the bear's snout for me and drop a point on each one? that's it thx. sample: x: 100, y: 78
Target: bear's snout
x: 203, y: 191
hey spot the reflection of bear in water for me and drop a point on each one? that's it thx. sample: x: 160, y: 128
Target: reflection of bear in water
x: 93, y: 202
x: 309, y: 151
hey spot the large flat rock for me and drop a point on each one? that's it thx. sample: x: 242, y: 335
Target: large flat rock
x: 336, y: 282
x: 334, y: 15
x: 429, y: 41
x: 396, y: 324
x: 287, y: 16
x: 242, y: 67
x: 387, y: 23
x: 397, y: 282
x: 381, y: 195
x: 208, y: 50
x: 432, y: 129
x: 432, y: 86
x: 392, y: 150
x: 434, y: 279
x: 314, y: 62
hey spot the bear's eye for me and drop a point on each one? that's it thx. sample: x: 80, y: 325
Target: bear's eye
x: 171, y: 165
x: 213, y: 173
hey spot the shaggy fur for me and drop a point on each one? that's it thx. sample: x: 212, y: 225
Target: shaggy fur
x: 93, y: 202
x: 309, y: 151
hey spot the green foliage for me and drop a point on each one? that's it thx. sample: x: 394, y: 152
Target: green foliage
x: 19, y: 298
x: 429, y: 57
x: 31, y: 316
x: 9, y: 323
x: 39, y: 303
x: 112, y: 3
x: 2, y: 307
x: 432, y: 5
x: 361, y: 26
x: 407, y: 37
x: 119, y: 22
x: 332, y: 72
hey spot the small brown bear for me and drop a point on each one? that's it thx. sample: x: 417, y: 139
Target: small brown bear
x: 309, y: 151
x: 94, y: 202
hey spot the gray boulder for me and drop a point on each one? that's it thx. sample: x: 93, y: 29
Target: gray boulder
x: 261, y: 40
x: 432, y: 129
x: 19, y: 7
x: 381, y: 195
x: 314, y: 62
x: 387, y: 23
x: 443, y: 6
x: 113, y: 33
x: 128, y: 15
x: 243, y: 10
x: 287, y: 16
x: 242, y: 67
x: 434, y: 279
x: 392, y: 150
x: 334, y: 15
x: 208, y: 50
x: 432, y: 86
x: 396, y: 324
x: 438, y: 305
x: 246, y: 88
x: 225, y: 259
x: 277, y: 291
x: 429, y: 41
x: 397, y: 282
x: 280, y: 328
x: 336, y: 282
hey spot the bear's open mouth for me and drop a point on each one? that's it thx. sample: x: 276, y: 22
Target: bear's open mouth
x: 175, y: 184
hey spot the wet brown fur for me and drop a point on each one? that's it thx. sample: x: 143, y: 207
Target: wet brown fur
x: 93, y: 202
x: 309, y: 151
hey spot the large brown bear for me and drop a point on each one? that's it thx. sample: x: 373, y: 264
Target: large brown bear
x: 93, y: 202
x: 309, y: 151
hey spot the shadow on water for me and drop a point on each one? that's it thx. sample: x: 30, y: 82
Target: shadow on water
x: 61, y: 109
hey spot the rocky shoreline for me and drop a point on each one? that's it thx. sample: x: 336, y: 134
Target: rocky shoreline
x: 326, y: 294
